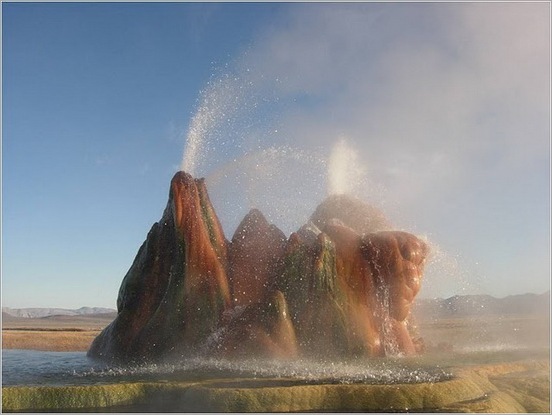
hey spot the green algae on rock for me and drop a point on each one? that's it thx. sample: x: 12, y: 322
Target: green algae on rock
x: 51, y: 398
x: 490, y: 388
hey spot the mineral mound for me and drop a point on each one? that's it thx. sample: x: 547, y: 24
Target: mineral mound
x: 343, y: 284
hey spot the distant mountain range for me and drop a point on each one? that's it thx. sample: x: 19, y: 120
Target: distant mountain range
x: 484, y: 305
x: 48, y: 312
x: 456, y: 306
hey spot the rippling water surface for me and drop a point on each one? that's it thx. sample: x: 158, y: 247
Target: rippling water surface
x: 28, y: 367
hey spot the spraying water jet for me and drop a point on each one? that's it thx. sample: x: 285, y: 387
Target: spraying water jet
x: 345, y: 173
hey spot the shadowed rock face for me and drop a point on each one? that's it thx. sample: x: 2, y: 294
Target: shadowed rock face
x: 255, y: 254
x: 308, y: 279
x: 340, y: 285
x: 263, y: 329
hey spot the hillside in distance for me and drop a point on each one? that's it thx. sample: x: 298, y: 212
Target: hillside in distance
x: 460, y: 306
x: 48, y: 312
x: 72, y: 321
x: 456, y: 306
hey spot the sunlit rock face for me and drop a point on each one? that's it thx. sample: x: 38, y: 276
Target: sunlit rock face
x: 176, y: 291
x: 356, y: 283
x: 342, y: 285
x: 396, y: 261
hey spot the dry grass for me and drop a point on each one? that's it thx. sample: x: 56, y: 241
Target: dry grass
x: 55, y: 333
x: 49, y: 340
x: 86, y: 322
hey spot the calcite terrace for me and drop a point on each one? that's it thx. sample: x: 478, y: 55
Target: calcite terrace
x: 343, y: 285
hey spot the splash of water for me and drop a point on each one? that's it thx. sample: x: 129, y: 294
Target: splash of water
x: 268, y: 179
x: 225, y: 111
x: 196, y: 134
x: 304, y: 370
x: 235, y: 141
x: 383, y: 297
x: 345, y: 172
x: 447, y: 273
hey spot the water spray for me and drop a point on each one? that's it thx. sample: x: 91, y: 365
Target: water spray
x: 345, y: 173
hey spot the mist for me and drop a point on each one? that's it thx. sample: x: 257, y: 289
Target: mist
x: 436, y: 113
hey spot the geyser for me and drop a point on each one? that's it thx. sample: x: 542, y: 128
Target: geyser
x: 341, y: 285
x: 345, y: 173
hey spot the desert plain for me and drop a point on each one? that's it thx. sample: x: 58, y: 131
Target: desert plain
x: 500, y: 363
x: 53, y: 333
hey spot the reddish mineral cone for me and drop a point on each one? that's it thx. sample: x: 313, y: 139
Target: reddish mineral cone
x: 341, y: 285
x: 255, y: 254
x: 176, y: 291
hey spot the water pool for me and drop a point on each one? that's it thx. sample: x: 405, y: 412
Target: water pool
x: 30, y: 367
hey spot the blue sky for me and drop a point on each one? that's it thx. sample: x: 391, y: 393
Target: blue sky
x: 445, y: 107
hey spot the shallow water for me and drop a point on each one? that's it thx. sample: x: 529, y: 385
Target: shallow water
x: 29, y: 367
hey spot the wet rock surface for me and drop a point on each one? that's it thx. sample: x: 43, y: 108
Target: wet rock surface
x: 342, y: 285
x: 176, y: 291
x: 514, y: 387
x: 255, y: 253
